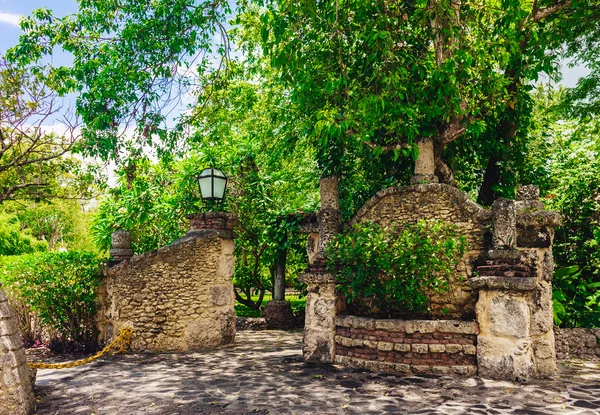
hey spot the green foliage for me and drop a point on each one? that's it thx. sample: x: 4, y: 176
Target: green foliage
x: 575, y: 299
x: 150, y: 201
x: 130, y: 60
x: 395, y: 269
x: 60, y: 288
x: 62, y: 223
x: 16, y: 241
x: 564, y: 160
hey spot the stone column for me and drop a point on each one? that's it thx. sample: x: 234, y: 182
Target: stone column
x: 322, y: 299
x: 329, y: 218
x: 222, y: 222
x: 425, y: 164
x: 16, y: 379
x: 120, y: 247
x: 514, y: 309
x: 318, y: 343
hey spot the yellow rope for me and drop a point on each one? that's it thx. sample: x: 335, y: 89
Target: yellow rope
x: 121, y: 341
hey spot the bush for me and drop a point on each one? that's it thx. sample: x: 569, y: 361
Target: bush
x: 398, y: 268
x: 575, y: 299
x: 60, y: 289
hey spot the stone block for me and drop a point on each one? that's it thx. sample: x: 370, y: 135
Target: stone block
x: 402, y: 368
x: 390, y: 325
x: 385, y: 346
x: 469, y: 349
x: 504, y: 358
x: 437, y: 348
x: 541, y: 309
x: 401, y: 347
x: 534, y: 237
x: 421, y: 326
x: 454, y: 348
x: 509, y: 317
x: 421, y: 368
x: 419, y: 348
x: 504, y: 283
x: 457, y: 326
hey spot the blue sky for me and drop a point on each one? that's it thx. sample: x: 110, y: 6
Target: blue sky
x: 11, y: 10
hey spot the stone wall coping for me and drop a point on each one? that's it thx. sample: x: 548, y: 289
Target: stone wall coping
x: 478, y: 212
x: 317, y: 278
x: 504, y: 283
x: 538, y: 218
x: 191, y: 236
x: 409, y: 326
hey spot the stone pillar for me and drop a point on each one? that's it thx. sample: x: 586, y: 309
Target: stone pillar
x: 322, y: 299
x: 120, y: 247
x: 328, y: 218
x: 504, y: 224
x: 514, y: 309
x: 318, y: 343
x: 16, y: 379
x: 425, y: 164
x: 222, y: 222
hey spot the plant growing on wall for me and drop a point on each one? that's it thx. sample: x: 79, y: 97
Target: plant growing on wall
x: 395, y: 269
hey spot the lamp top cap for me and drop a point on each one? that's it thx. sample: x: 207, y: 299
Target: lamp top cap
x: 211, y: 172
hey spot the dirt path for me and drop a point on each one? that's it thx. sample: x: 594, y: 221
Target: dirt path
x: 263, y: 373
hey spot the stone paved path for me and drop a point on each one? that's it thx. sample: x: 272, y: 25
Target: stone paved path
x: 262, y: 373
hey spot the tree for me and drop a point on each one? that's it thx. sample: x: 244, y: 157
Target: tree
x: 132, y: 63
x: 32, y: 156
x: 384, y: 75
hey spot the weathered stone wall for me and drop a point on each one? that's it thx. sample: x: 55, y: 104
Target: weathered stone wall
x: 16, y: 379
x: 439, y: 202
x: 178, y: 298
x: 577, y: 343
x: 405, y: 346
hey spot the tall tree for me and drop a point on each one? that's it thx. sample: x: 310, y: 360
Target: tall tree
x: 133, y: 61
x: 33, y: 157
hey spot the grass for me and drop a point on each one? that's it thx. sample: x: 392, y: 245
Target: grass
x: 243, y: 311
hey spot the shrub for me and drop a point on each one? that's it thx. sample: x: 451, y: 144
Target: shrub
x: 60, y: 289
x: 575, y: 298
x: 398, y: 268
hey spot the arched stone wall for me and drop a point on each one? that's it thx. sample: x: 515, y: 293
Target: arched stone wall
x: 450, y: 205
x: 16, y: 379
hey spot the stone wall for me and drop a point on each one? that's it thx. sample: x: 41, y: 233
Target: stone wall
x: 16, y: 379
x: 439, y: 202
x: 178, y: 298
x: 577, y: 343
x: 405, y: 346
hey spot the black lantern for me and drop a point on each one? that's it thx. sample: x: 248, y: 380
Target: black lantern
x: 212, y: 184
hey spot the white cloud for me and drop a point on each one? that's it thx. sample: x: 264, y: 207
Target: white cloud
x: 10, y: 18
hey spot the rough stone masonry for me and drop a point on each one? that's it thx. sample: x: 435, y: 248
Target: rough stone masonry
x: 16, y: 379
x: 177, y: 298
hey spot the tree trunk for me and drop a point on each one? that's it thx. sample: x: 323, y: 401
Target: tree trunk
x: 279, y: 280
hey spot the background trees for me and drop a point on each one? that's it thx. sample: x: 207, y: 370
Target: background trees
x: 315, y: 88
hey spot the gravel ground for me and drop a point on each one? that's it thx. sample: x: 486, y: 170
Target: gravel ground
x: 263, y: 373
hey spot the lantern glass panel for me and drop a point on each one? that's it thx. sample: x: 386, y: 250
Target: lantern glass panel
x: 205, y: 183
x: 219, y: 189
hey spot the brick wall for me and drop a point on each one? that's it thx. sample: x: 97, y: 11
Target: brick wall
x: 405, y: 346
